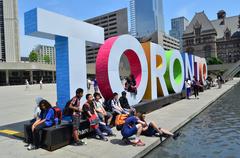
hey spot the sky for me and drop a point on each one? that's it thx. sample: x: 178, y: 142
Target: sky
x: 85, y: 9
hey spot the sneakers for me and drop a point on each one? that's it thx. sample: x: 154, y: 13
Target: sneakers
x: 104, y: 139
x: 138, y: 143
x: 112, y: 135
x: 176, y: 135
x: 80, y: 142
x: 97, y: 137
x: 31, y: 147
x: 160, y: 136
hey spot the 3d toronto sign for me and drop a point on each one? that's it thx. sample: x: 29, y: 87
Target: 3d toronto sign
x: 158, y: 72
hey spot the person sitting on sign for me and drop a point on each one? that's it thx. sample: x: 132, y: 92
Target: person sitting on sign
x: 130, y: 85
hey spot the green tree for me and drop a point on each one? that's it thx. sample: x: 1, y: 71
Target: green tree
x: 33, y: 56
x: 46, y: 59
x: 214, y: 61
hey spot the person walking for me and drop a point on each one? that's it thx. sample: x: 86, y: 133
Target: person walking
x: 41, y: 84
x: 27, y: 84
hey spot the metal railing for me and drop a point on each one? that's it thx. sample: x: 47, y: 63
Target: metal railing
x: 230, y: 73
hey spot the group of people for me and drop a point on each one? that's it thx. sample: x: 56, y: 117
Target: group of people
x: 27, y: 84
x: 137, y: 125
x: 195, y: 85
x: 101, y: 115
x: 94, y: 112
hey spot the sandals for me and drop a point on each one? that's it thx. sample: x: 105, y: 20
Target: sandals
x: 139, y: 143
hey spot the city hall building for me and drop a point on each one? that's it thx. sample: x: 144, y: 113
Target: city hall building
x: 217, y: 38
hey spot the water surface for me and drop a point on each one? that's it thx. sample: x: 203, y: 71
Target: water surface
x: 215, y: 133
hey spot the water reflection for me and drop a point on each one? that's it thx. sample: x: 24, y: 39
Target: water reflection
x: 215, y: 133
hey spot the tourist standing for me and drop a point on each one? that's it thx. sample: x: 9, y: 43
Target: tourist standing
x: 188, y: 88
x: 219, y: 81
x: 76, y: 116
x: 89, y: 82
x: 195, y: 85
x: 95, y: 84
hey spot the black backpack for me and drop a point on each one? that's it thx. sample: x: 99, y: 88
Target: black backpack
x: 67, y: 111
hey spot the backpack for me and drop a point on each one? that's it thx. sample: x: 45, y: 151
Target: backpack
x: 57, y: 114
x: 120, y: 120
x: 67, y: 111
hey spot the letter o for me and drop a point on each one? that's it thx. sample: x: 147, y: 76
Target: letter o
x: 107, y: 67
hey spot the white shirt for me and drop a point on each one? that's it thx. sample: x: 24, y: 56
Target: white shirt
x: 188, y: 84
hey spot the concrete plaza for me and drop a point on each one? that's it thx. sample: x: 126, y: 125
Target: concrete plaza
x: 17, y: 105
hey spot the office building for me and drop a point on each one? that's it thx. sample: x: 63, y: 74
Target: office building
x: 146, y: 17
x: 43, y: 51
x: 9, y: 33
x: 214, y: 38
x: 178, y: 26
x: 114, y: 24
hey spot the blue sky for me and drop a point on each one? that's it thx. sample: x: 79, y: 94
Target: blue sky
x: 84, y: 9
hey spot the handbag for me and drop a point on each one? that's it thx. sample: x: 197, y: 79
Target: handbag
x: 94, y: 121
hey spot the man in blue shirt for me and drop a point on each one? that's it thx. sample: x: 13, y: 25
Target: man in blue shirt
x: 133, y: 125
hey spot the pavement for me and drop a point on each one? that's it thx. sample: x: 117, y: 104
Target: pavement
x: 17, y: 105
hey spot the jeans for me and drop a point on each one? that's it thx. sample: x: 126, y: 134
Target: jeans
x: 106, y: 129
x: 99, y: 133
x: 195, y: 89
x: 188, y: 92
x: 34, y: 136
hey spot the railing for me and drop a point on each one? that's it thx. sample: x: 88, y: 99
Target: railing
x: 232, y: 71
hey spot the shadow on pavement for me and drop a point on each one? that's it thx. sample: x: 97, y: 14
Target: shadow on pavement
x: 14, y: 130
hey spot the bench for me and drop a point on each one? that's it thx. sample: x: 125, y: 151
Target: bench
x: 53, y: 138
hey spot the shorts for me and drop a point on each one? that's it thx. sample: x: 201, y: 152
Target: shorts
x: 76, y: 121
x: 102, y: 117
x: 129, y: 131
x: 150, y: 131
